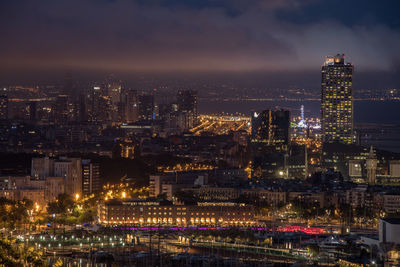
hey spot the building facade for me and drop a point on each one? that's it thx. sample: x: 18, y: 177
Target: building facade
x: 337, y: 100
x: 152, y: 212
x: 90, y: 177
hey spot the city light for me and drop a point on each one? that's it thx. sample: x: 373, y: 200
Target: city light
x: 199, y: 134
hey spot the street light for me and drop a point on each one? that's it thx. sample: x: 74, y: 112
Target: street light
x: 76, y: 196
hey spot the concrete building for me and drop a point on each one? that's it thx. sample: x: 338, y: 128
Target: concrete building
x: 391, y: 203
x: 54, y: 186
x: 132, y: 109
x: 90, y: 177
x: 175, y: 180
x: 272, y: 197
x: 355, y: 169
x: 394, y: 168
x: 71, y: 170
x: 146, y: 107
x: 389, y: 230
x: 42, y: 167
x: 217, y: 193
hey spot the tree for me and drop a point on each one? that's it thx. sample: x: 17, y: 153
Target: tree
x: 11, y: 254
x: 63, y: 203
x: 313, y: 249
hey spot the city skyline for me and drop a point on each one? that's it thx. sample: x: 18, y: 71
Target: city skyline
x: 200, y: 133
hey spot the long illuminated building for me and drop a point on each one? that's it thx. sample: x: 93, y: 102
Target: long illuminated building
x: 153, y: 212
x: 337, y: 100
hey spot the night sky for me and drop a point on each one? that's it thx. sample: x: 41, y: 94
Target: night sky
x: 204, y: 35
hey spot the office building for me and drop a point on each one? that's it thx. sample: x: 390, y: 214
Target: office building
x: 391, y: 203
x: 42, y: 167
x: 269, y: 143
x: 337, y: 101
x: 100, y: 105
x: 132, y: 109
x: 90, y: 177
x: 146, y: 107
x: 169, y: 183
x: 187, y: 108
x: 270, y: 127
x: 61, y: 109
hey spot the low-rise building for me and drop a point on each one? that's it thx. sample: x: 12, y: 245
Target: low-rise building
x: 389, y: 230
x: 153, y: 212
x: 271, y: 197
x: 391, y: 203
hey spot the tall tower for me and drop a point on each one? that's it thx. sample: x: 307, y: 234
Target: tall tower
x: 337, y: 100
x: 187, y: 105
x: 271, y: 127
x: 61, y: 110
x: 270, y: 138
x: 132, y: 110
x: 146, y: 107
x: 371, y: 163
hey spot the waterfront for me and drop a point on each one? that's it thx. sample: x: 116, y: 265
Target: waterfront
x: 365, y: 111
x: 377, y: 122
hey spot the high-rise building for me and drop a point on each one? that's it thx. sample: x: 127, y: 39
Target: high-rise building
x: 337, y: 101
x: 270, y: 127
x: 99, y: 104
x: 90, y: 177
x: 269, y: 143
x: 146, y: 107
x: 131, y: 109
x: 187, y: 107
x: 115, y: 94
x: 61, y: 112
x: 114, y: 89
x: 3, y: 107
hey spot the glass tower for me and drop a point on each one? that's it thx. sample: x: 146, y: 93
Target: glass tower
x: 337, y: 100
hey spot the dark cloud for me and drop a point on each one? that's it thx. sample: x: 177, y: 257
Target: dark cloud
x: 194, y: 35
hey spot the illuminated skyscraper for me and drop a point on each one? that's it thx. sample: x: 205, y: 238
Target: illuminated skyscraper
x: 337, y: 100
